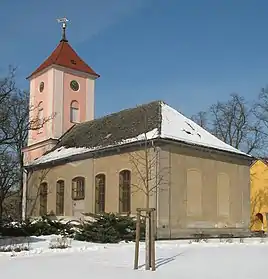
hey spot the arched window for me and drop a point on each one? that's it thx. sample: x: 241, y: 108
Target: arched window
x: 78, y: 188
x: 74, y: 112
x: 43, y: 199
x: 124, y: 191
x: 60, y: 198
x: 100, y: 193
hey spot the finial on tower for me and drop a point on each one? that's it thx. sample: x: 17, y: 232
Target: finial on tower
x: 64, y: 21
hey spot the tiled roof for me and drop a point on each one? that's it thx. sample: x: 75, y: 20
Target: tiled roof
x: 114, y: 128
x: 64, y: 55
x: 155, y: 120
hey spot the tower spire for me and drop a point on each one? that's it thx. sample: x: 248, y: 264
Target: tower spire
x: 63, y: 21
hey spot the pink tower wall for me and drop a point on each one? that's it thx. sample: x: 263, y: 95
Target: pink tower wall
x: 35, y: 98
x: 70, y: 95
x: 56, y: 99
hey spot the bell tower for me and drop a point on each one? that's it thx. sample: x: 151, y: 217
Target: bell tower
x: 61, y: 95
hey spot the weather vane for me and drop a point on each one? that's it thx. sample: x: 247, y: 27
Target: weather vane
x: 63, y: 21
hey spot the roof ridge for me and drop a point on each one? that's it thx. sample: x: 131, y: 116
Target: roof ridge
x: 120, y: 111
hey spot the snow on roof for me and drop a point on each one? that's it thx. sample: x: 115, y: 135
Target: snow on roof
x: 63, y: 152
x: 178, y: 127
x: 60, y: 153
x: 145, y: 136
x: 173, y: 126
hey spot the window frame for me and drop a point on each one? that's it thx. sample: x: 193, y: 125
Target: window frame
x: 125, y: 191
x: 43, y: 201
x: 100, y: 193
x: 74, y: 107
x: 78, y: 194
x: 41, y: 86
x: 60, y: 197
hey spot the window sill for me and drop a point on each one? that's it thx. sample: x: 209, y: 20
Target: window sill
x: 124, y: 213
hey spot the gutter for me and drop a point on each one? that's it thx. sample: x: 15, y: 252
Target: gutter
x: 116, y: 148
x: 207, y: 149
x: 24, y: 194
x: 89, y: 154
x: 169, y: 192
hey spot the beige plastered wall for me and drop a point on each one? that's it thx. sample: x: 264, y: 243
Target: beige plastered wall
x: 213, y: 197
x: 89, y: 168
x: 216, y: 189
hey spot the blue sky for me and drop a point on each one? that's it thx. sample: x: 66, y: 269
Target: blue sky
x: 189, y: 53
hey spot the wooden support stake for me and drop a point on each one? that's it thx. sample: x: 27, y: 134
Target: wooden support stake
x: 137, y: 245
x: 147, y: 241
x: 153, y: 240
x: 150, y: 237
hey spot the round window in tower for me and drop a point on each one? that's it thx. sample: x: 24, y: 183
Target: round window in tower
x: 41, y: 86
x: 74, y: 85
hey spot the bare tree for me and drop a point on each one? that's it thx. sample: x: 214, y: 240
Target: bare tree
x: 21, y: 125
x: 261, y: 109
x: 9, y: 177
x: 7, y: 84
x: 14, y: 126
x: 9, y: 164
x: 145, y: 164
x: 235, y: 123
x: 201, y: 119
x: 144, y: 167
x: 149, y: 178
x: 35, y: 179
x: 7, y: 89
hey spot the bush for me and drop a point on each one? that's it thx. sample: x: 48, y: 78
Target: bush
x: 42, y: 226
x: 60, y: 242
x: 226, y: 237
x: 109, y: 228
x: 46, y: 226
x: 103, y: 228
x: 258, y: 234
x: 200, y: 237
x: 14, y: 248
x: 15, y: 244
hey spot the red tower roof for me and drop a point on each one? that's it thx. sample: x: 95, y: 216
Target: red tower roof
x: 64, y: 55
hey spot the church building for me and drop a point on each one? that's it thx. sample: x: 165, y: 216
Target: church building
x: 148, y: 155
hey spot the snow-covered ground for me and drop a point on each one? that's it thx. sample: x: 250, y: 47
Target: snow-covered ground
x: 175, y: 259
